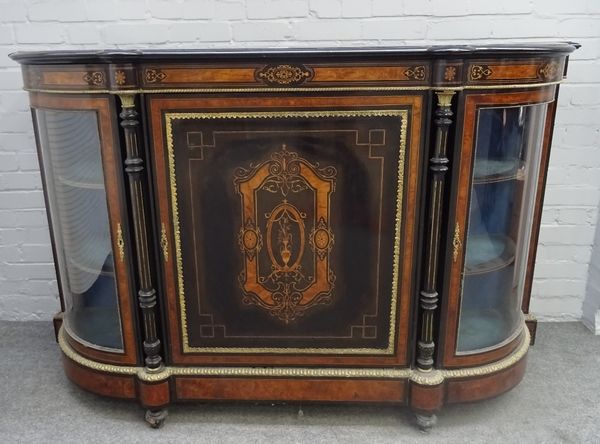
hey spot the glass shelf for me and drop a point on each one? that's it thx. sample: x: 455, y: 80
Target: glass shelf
x: 487, y: 253
x: 482, y: 327
x: 82, y: 173
x: 492, y: 170
x: 107, y: 269
x: 81, y: 183
x: 99, y: 326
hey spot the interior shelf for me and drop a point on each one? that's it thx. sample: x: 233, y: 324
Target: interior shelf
x: 480, y: 328
x: 491, y: 170
x: 487, y: 253
x: 81, y: 183
x: 81, y: 172
x: 98, y: 325
x: 107, y: 269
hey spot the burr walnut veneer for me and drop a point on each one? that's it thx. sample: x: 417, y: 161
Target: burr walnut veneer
x: 295, y: 225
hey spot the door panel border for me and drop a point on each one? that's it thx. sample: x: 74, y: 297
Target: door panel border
x: 179, y: 353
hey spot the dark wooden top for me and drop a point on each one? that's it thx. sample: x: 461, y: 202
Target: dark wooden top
x: 102, y: 71
x: 165, y: 55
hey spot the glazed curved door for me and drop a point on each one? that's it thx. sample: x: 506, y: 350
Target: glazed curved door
x: 500, y: 160
x: 80, y: 163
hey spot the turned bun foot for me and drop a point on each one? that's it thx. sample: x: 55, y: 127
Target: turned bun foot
x: 425, y: 421
x: 156, y: 418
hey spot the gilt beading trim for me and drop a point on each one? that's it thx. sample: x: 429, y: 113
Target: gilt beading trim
x: 170, y: 117
x: 432, y: 378
x: 299, y: 89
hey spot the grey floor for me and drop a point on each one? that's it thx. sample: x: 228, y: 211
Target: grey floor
x: 558, y: 401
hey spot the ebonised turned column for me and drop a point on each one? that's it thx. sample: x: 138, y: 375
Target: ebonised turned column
x: 428, y: 296
x: 134, y: 166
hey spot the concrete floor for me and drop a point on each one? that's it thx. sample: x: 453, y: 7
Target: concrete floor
x: 558, y: 401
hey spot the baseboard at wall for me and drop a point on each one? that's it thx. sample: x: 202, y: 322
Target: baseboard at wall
x: 592, y: 324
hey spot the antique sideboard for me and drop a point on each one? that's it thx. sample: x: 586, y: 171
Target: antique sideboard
x: 342, y: 225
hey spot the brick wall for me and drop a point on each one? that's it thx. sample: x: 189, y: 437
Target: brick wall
x: 27, y: 281
x: 591, y: 304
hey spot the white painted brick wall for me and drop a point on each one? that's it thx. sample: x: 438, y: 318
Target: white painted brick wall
x: 27, y: 281
x: 591, y: 304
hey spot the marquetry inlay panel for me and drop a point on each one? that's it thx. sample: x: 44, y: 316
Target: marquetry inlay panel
x: 302, y: 267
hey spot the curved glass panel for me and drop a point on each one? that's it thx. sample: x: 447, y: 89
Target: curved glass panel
x: 70, y: 147
x: 505, y: 175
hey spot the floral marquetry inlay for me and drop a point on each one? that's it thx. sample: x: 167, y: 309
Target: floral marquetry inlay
x: 94, y: 78
x: 415, y: 73
x: 479, y: 72
x: 549, y: 70
x: 293, y: 197
x: 154, y: 75
x: 120, y: 77
x: 321, y: 239
x: 450, y: 73
x: 284, y: 74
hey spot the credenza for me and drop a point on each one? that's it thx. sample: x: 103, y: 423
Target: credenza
x: 309, y: 225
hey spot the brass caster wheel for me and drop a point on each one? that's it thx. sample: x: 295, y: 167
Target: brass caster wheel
x: 425, y: 422
x: 156, y: 418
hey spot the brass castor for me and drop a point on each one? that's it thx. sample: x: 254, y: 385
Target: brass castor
x: 425, y: 422
x: 156, y: 418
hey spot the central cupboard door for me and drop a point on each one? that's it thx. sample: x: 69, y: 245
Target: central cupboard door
x: 288, y: 227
